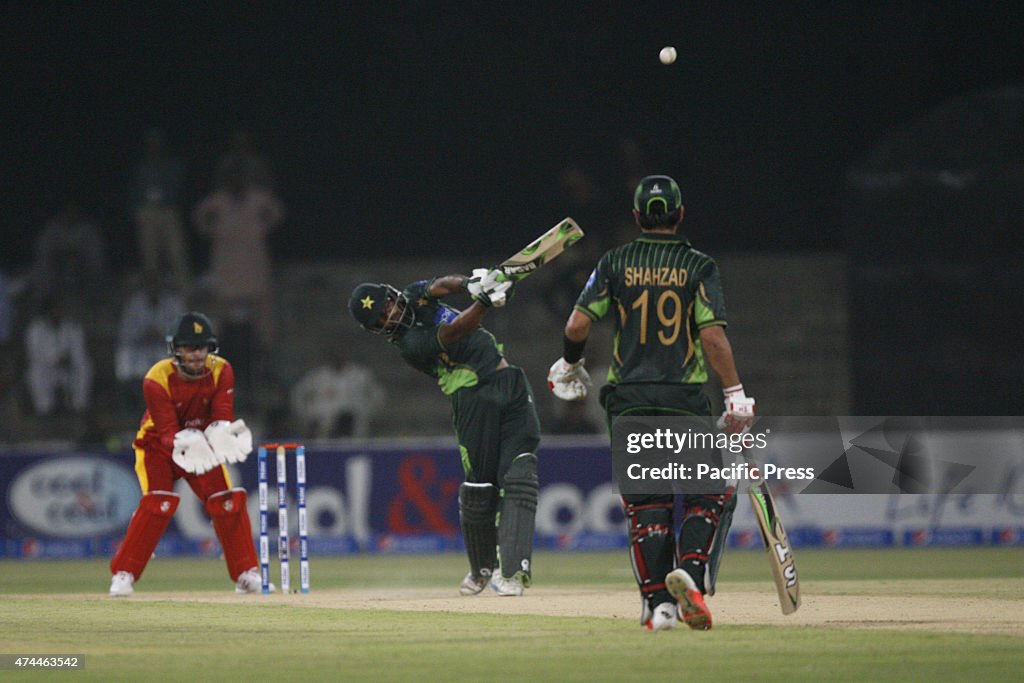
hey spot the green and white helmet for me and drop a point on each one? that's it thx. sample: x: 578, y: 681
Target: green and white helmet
x: 657, y: 194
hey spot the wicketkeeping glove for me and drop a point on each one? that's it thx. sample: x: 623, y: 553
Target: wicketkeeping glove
x: 738, y: 415
x: 243, y: 439
x: 231, y: 441
x: 192, y: 452
x: 569, y: 381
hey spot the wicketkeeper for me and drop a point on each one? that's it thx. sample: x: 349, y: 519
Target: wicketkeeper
x: 669, y: 310
x: 492, y: 411
x: 189, y: 431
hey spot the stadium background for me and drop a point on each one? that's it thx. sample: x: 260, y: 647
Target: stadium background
x: 857, y: 171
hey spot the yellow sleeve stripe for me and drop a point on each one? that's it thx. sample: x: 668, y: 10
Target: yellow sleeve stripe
x: 216, y: 364
x: 161, y: 373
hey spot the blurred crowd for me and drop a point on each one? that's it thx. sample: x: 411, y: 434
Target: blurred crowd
x: 78, y: 335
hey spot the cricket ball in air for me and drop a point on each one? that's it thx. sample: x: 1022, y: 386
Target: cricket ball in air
x: 667, y: 55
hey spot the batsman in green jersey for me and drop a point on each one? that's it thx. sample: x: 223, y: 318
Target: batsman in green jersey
x: 669, y: 311
x: 493, y: 413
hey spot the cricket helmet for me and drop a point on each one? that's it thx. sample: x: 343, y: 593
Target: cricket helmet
x: 657, y: 194
x: 191, y: 329
x: 369, y: 303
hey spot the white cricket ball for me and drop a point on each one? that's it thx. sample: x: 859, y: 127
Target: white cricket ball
x: 667, y: 55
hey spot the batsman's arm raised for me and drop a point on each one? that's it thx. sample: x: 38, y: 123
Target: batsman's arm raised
x: 445, y: 285
x: 468, y: 320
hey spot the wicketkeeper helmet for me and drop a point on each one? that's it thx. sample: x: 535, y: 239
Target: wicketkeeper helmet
x: 192, y: 329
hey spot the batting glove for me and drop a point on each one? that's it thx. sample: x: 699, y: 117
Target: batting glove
x: 497, y: 288
x: 738, y: 416
x: 489, y: 287
x: 475, y: 282
x: 569, y: 381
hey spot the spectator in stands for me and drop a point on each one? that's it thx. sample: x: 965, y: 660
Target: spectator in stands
x: 154, y: 202
x: 145, y: 319
x: 338, y: 398
x: 237, y: 219
x: 69, y: 256
x: 243, y: 155
x: 58, y: 364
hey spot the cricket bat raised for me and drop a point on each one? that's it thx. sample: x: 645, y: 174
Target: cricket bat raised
x: 780, y: 552
x: 542, y: 250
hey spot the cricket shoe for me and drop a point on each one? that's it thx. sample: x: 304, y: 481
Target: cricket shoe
x: 661, y: 618
x: 473, y: 584
x: 507, y: 587
x: 250, y: 582
x: 122, y: 585
x: 692, y: 609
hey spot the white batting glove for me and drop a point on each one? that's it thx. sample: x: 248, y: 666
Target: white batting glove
x: 569, y: 381
x: 738, y: 414
x: 192, y: 452
x: 496, y: 287
x: 489, y: 287
x: 475, y: 283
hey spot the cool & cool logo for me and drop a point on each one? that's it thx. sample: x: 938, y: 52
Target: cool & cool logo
x: 74, y: 497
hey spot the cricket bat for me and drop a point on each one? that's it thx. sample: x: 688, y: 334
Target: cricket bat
x: 780, y: 552
x: 542, y: 250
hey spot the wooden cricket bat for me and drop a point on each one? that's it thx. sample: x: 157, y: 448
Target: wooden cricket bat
x: 542, y: 250
x: 780, y: 552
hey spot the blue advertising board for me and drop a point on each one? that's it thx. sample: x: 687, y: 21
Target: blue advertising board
x: 378, y: 496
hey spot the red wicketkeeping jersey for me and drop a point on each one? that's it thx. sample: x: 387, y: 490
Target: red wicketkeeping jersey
x: 174, y: 403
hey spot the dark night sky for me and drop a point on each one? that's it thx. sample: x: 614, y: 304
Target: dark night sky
x: 407, y: 128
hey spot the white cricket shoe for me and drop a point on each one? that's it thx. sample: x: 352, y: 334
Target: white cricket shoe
x: 250, y: 582
x: 692, y: 608
x: 663, y: 617
x: 507, y: 587
x: 122, y: 584
x: 472, y: 584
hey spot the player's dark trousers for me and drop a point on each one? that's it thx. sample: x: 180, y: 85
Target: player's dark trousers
x: 498, y: 432
x: 495, y: 421
x: 654, y: 551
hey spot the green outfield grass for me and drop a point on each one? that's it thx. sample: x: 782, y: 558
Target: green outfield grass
x: 59, y: 607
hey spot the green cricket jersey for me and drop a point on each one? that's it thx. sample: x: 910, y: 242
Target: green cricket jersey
x: 663, y: 292
x: 465, y: 363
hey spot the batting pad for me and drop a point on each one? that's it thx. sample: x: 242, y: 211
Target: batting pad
x: 478, y: 506
x: 516, y: 521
